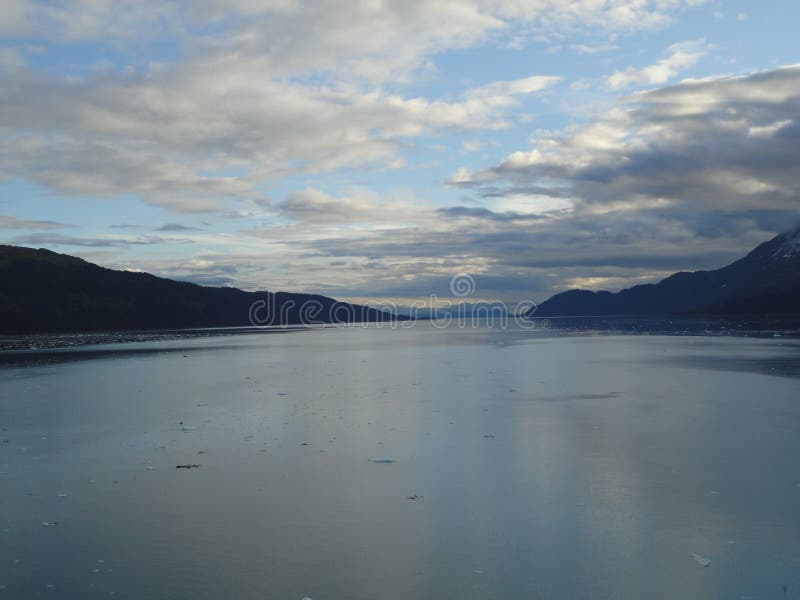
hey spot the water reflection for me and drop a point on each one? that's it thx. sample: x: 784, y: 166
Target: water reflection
x: 540, y: 466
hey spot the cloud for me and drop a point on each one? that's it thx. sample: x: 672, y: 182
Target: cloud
x: 253, y: 93
x: 678, y: 57
x: 682, y: 177
x: 470, y: 146
x: 597, y: 49
x: 724, y: 143
x: 332, y: 29
x: 259, y: 91
x: 11, y: 59
x: 7, y: 222
x: 484, y: 213
x: 513, y: 254
x: 167, y: 139
x: 314, y: 206
x: 176, y: 227
x: 54, y: 239
x: 124, y: 226
x: 86, y: 20
x: 503, y: 89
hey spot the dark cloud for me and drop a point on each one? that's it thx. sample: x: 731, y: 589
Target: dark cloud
x: 7, y: 222
x: 485, y: 213
x: 176, y: 227
x: 48, y: 239
x: 722, y: 144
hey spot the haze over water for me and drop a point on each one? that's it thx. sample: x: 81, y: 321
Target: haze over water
x: 510, y: 464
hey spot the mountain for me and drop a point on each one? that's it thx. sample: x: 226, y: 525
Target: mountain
x: 766, y: 281
x: 43, y: 291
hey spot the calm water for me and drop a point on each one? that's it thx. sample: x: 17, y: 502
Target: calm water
x: 526, y: 465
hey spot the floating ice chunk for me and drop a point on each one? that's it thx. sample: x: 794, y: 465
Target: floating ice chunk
x: 701, y: 560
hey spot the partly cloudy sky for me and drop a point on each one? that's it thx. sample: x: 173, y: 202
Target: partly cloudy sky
x: 371, y: 150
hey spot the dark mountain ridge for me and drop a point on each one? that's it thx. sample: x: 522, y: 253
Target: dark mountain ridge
x: 766, y: 281
x: 44, y: 291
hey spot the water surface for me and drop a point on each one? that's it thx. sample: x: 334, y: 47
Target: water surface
x: 509, y: 464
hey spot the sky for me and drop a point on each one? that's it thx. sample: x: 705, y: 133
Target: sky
x: 372, y: 150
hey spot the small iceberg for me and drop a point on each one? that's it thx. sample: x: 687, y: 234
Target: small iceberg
x: 702, y: 561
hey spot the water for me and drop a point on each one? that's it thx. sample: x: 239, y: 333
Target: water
x: 510, y: 464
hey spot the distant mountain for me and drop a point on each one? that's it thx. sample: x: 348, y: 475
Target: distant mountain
x: 766, y: 281
x: 43, y: 291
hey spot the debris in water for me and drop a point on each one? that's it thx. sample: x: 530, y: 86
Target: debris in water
x: 383, y: 461
x: 702, y: 561
x: 192, y: 466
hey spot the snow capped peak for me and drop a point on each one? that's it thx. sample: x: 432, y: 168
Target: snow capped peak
x: 789, y: 245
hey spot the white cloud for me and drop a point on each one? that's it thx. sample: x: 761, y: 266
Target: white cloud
x: 470, y: 146
x: 260, y: 89
x: 528, y: 85
x: 678, y: 57
x: 597, y: 49
x: 313, y: 206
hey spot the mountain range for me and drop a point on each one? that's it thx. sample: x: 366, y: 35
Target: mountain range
x: 765, y: 282
x: 43, y: 291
